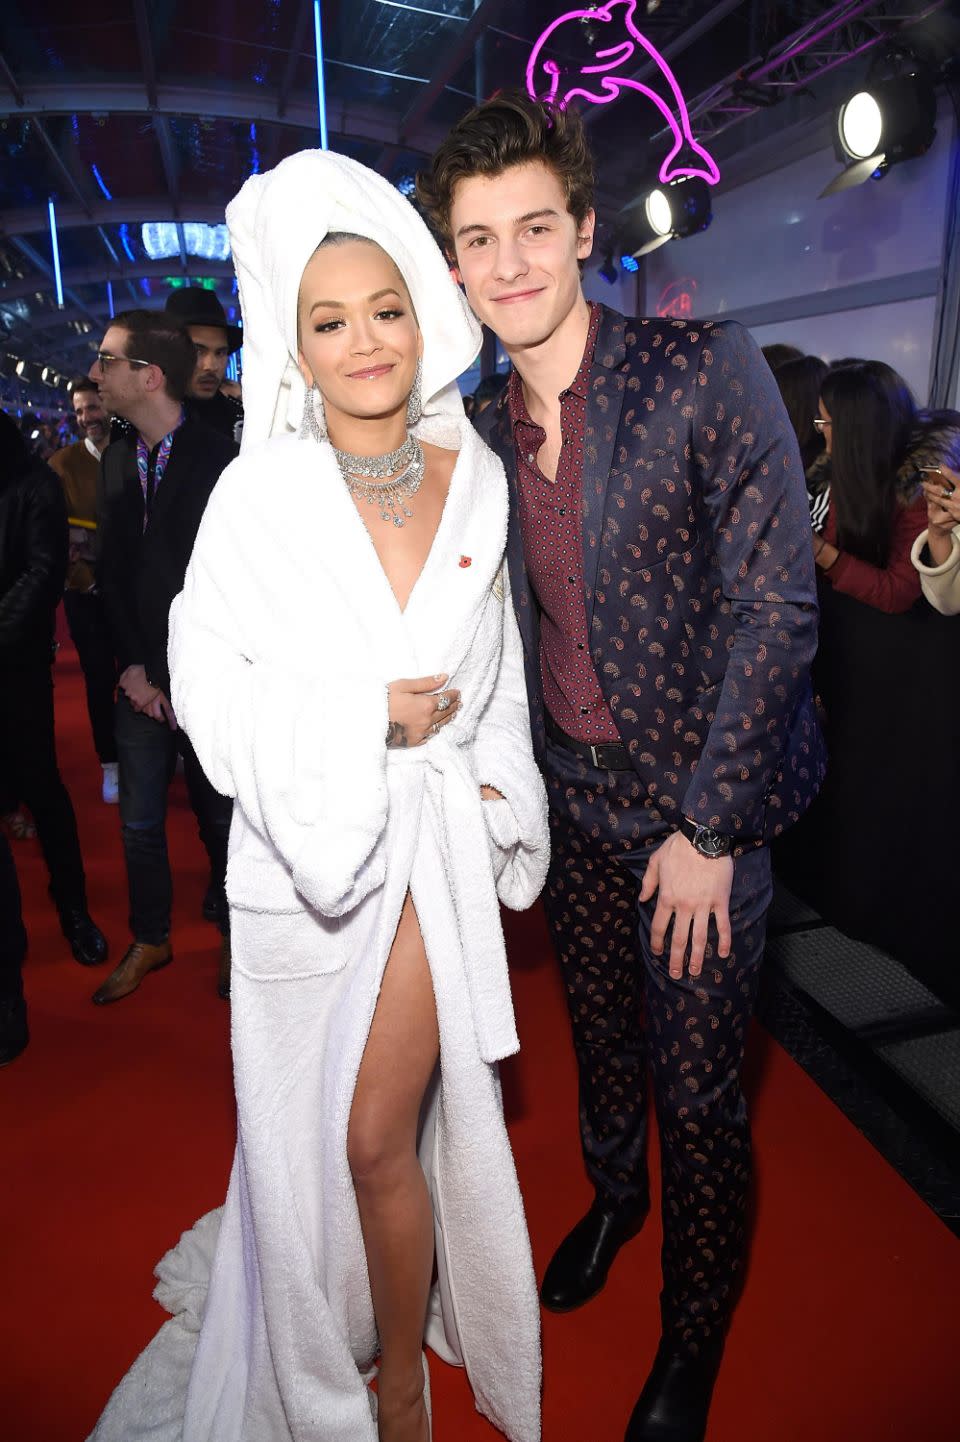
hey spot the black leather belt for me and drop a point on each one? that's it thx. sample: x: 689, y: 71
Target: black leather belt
x: 606, y: 756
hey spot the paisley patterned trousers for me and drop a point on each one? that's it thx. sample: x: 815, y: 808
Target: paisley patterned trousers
x: 630, y: 1020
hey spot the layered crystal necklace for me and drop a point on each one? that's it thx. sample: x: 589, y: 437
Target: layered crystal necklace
x: 372, y: 478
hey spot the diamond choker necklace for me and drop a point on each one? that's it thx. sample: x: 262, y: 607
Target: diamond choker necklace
x: 372, y: 478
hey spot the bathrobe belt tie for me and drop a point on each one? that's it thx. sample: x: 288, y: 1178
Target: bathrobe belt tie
x: 452, y: 796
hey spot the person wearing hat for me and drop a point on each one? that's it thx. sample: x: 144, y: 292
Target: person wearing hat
x: 202, y: 316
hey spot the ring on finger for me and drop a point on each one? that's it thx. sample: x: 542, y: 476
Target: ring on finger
x: 434, y: 729
x: 443, y: 701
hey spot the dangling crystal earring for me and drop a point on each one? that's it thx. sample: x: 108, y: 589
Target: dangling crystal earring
x: 415, y: 402
x: 313, y: 426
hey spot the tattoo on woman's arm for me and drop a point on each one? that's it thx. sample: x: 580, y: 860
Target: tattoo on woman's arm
x: 397, y: 735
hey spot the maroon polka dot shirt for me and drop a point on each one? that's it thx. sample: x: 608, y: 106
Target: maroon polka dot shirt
x: 552, y: 532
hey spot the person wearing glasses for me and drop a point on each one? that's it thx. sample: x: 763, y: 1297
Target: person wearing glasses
x: 155, y: 484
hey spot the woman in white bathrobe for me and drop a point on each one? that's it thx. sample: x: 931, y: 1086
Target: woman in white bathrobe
x: 355, y: 684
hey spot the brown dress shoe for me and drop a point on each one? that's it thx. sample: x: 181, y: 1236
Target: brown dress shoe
x: 223, y: 974
x: 140, y: 958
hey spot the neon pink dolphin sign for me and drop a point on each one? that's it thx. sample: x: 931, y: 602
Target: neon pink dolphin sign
x: 625, y: 51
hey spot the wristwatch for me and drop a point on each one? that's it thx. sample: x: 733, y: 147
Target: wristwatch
x: 710, y: 843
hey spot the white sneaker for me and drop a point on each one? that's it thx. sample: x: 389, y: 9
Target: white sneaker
x: 111, y: 783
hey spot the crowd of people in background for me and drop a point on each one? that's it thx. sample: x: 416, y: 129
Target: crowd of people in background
x: 882, y: 477
x: 102, y: 515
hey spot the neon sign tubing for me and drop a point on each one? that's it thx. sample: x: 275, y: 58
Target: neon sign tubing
x: 677, y: 118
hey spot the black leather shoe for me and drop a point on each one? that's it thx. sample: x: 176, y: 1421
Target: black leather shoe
x: 13, y: 1029
x: 87, y: 941
x: 580, y: 1264
x: 675, y: 1401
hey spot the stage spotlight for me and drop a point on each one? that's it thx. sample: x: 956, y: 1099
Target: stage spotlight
x: 667, y: 213
x: 892, y: 121
x: 29, y: 372
x: 49, y: 376
x: 608, y: 271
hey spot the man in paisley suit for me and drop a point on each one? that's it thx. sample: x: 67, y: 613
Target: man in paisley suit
x: 661, y: 566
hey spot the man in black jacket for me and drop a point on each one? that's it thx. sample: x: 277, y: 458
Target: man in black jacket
x: 215, y: 340
x: 155, y: 486
x: 33, y: 564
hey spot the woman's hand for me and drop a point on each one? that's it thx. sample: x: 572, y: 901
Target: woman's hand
x: 943, y: 499
x: 490, y: 793
x: 418, y: 710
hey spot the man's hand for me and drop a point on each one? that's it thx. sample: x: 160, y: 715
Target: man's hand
x: 159, y: 709
x: 691, y: 888
x: 137, y: 689
x: 418, y: 709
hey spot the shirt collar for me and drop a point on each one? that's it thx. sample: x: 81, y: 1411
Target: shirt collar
x: 166, y: 440
x: 92, y: 448
x: 579, y: 386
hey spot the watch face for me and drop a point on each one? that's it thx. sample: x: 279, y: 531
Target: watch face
x: 710, y: 842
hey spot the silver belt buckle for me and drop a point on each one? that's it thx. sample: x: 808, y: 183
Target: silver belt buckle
x: 595, y: 759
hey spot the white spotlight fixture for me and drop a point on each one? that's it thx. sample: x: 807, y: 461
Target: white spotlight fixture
x: 669, y: 212
x: 892, y: 121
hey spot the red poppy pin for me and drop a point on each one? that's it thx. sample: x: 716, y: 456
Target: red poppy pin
x: 466, y: 561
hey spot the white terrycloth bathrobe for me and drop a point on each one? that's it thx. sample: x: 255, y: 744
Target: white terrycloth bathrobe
x: 282, y: 644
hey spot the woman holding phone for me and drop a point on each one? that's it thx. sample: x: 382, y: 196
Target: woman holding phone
x: 936, y: 551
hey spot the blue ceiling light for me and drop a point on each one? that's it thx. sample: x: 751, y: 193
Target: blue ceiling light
x: 254, y: 152
x: 407, y: 185
x: 110, y: 304
x: 630, y: 263
x: 55, y: 247
x: 125, y: 241
x: 101, y: 182
x: 208, y: 242
x: 321, y: 88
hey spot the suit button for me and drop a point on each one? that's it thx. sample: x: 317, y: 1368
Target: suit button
x: 580, y: 646
x: 562, y: 511
x: 584, y: 710
x: 572, y: 580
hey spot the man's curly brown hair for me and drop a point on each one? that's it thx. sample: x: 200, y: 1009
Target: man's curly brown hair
x: 511, y: 129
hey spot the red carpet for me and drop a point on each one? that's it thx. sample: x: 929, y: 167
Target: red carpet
x: 117, y: 1129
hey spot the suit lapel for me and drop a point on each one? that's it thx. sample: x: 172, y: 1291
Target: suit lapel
x: 604, y: 405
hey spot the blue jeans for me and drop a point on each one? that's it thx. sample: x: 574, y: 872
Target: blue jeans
x: 147, y: 752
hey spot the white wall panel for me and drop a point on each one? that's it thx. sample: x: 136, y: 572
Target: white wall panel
x: 900, y: 334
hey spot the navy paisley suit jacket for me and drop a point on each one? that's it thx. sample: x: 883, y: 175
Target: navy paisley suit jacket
x: 698, y: 574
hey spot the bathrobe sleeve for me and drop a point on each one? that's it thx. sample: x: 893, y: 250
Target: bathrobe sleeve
x: 300, y: 749
x: 503, y: 756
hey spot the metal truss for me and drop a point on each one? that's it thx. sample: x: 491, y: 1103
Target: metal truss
x: 834, y: 38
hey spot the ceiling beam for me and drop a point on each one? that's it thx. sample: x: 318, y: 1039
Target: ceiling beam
x: 101, y: 273
x: 244, y: 104
x: 113, y: 212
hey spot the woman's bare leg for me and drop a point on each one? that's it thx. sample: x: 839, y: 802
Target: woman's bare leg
x: 392, y: 1195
